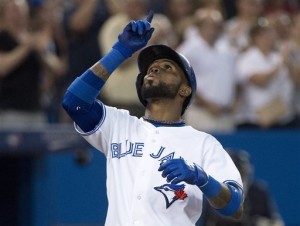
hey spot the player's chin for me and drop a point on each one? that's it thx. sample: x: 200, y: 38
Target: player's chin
x: 150, y: 83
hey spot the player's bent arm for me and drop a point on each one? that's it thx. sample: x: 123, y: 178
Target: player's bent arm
x: 225, y: 198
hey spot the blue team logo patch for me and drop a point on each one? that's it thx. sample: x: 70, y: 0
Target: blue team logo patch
x: 171, y: 193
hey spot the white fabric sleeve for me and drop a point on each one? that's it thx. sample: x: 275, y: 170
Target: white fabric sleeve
x: 218, y: 164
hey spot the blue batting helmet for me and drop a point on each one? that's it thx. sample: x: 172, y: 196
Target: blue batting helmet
x: 155, y: 52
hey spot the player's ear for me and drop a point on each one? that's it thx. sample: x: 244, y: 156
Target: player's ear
x: 185, y: 91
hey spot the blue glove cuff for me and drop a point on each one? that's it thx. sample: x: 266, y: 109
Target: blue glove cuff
x: 211, y: 188
x: 121, y: 48
x: 234, y: 203
x: 112, y: 60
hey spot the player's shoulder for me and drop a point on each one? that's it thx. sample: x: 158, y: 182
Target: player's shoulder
x: 117, y: 114
x: 200, y: 134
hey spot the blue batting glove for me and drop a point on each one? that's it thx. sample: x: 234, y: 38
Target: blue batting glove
x: 135, y: 36
x: 177, y: 170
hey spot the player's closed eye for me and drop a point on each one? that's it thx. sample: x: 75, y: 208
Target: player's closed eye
x: 167, y: 66
x: 164, y: 66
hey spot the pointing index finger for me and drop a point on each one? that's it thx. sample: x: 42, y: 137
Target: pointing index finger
x: 150, y: 16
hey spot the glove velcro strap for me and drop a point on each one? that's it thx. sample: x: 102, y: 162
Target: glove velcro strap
x: 234, y: 203
x: 211, y: 188
x: 113, y: 59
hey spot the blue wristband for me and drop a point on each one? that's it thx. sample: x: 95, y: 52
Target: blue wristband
x: 212, y: 188
x: 234, y: 203
x: 112, y: 60
x: 121, y: 48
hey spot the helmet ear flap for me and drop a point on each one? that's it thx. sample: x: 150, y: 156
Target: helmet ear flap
x: 139, y: 83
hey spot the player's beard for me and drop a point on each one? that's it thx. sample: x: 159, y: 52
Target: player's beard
x: 162, y: 90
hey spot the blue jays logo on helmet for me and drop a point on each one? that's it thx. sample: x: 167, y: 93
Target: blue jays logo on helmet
x: 155, y: 52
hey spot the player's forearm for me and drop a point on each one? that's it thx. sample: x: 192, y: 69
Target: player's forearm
x: 222, y: 199
x: 100, y: 71
x: 226, y: 199
x: 113, y: 59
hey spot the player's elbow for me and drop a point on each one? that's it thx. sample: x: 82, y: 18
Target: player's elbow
x: 73, y: 105
x: 234, y: 207
x: 66, y: 103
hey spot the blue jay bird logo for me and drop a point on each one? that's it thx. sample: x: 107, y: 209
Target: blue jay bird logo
x: 172, y: 192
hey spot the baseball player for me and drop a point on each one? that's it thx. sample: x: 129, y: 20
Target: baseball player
x: 158, y: 168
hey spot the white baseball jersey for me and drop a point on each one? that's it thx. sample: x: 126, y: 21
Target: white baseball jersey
x: 137, y: 193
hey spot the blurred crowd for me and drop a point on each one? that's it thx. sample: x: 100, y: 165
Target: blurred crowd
x: 245, y: 53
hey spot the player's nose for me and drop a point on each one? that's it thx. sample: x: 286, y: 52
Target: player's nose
x: 154, y: 70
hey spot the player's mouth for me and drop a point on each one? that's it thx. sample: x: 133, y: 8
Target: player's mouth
x: 150, y: 79
x: 151, y: 76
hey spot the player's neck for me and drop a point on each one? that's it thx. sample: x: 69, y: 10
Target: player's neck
x: 162, y: 114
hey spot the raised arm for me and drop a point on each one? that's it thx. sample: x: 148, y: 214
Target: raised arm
x: 80, y: 100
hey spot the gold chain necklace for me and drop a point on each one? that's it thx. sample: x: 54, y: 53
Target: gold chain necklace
x: 169, y: 122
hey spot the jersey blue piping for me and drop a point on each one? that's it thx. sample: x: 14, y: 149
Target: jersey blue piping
x: 180, y: 124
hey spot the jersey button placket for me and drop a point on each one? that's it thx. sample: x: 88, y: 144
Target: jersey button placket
x: 156, y: 132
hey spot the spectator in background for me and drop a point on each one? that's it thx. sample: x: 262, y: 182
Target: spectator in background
x: 214, y: 67
x: 279, y: 6
x: 213, y: 4
x: 288, y: 36
x: 291, y: 58
x: 259, y: 207
x: 267, y: 89
x: 180, y: 12
x: 229, y: 7
x: 81, y: 22
x: 115, y: 6
x: 45, y: 15
x: 164, y: 32
x: 281, y: 21
x: 24, y: 56
x: 236, y: 29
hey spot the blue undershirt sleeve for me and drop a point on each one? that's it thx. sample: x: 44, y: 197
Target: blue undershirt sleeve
x: 80, y: 101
